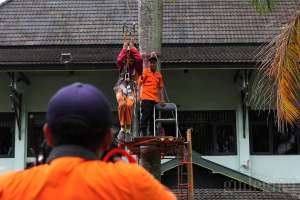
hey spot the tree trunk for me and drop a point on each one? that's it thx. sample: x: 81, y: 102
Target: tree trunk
x: 150, y: 39
x: 150, y: 160
x: 150, y: 27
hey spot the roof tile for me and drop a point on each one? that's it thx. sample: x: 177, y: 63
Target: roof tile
x: 72, y: 22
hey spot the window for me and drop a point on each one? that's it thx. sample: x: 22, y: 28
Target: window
x: 36, y: 142
x: 214, y: 132
x: 7, y: 135
x: 266, y: 139
x: 35, y: 133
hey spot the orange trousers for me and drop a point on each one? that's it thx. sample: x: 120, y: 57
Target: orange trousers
x: 125, y: 108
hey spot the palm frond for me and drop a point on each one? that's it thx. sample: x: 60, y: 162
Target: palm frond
x: 278, y: 81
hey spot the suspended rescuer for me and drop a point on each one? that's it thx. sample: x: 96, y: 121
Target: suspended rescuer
x: 130, y: 65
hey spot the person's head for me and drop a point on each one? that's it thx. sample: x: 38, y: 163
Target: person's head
x: 153, y: 61
x: 79, y: 114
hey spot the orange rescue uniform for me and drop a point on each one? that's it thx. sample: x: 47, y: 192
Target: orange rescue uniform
x: 69, y: 178
x: 125, y: 107
x: 151, y: 85
x: 126, y: 102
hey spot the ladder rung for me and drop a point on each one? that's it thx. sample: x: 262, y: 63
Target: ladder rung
x: 185, y: 162
x: 183, y: 185
x: 166, y: 120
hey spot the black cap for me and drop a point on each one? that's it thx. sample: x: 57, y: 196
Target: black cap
x: 81, y: 101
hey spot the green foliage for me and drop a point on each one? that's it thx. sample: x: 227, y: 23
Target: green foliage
x: 263, y: 6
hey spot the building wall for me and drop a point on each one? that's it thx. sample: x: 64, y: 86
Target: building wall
x: 195, y: 90
x: 190, y: 90
x: 202, y: 89
x: 44, y: 85
x: 277, y: 168
x: 7, y: 164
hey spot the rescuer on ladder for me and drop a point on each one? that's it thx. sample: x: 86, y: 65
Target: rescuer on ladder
x: 130, y: 66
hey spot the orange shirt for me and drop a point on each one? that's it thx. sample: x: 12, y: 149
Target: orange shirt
x: 69, y: 178
x: 151, y: 85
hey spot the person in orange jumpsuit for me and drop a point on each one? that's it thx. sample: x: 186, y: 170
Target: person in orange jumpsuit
x: 78, y: 128
x: 130, y: 66
x: 151, y: 92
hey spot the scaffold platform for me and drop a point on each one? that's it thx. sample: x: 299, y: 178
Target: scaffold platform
x: 168, y: 145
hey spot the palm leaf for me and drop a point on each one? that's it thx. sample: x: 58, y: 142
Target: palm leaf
x: 278, y: 81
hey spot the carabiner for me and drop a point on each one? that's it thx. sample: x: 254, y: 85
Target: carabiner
x: 125, y: 28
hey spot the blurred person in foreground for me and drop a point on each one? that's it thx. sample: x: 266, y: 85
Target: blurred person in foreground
x: 78, y: 128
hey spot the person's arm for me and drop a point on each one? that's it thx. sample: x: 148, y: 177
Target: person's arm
x: 139, y: 87
x: 141, y: 81
x: 138, y: 60
x: 122, y: 55
x: 161, y: 92
x: 162, y: 96
x: 121, y: 58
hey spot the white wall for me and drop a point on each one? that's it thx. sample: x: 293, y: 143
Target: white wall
x: 44, y: 85
x: 202, y: 89
x: 276, y: 169
x: 7, y: 164
x: 196, y: 90
x: 205, y: 90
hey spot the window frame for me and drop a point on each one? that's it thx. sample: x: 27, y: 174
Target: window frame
x: 271, y: 133
x: 13, y: 132
x: 29, y: 128
x: 214, y: 125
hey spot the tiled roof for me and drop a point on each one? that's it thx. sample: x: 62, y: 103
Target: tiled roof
x: 219, y: 194
x: 208, y: 54
x: 106, y: 55
x: 293, y: 188
x: 69, y: 22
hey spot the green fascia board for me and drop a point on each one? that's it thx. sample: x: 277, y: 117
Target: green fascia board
x: 197, y: 159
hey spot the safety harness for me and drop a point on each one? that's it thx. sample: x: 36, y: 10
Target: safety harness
x: 127, y: 79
